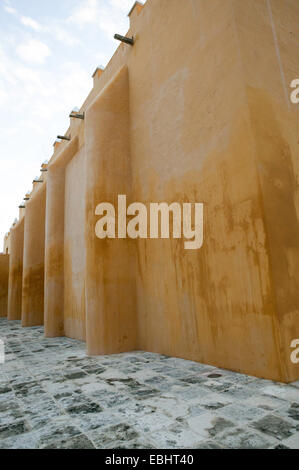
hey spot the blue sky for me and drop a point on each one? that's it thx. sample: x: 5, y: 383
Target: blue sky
x: 49, y: 50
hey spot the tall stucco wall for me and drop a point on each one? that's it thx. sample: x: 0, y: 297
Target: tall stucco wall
x: 34, y: 259
x: 74, y: 248
x: 191, y: 141
x: 15, y: 281
x: 270, y: 58
x: 4, y: 269
x: 111, y: 316
x: 196, y: 111
x: 54, y: 240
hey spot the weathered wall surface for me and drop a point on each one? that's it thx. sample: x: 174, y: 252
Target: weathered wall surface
x: 193, y: 139
x: 74, y: 248
x: 268, y: 70
x: 4, y: 269
x: 54, y: 243
x: 111, y: 316
x: 197, y: 145
x: 54, y: 240
x: 34, y: 259
x: 14, y: 309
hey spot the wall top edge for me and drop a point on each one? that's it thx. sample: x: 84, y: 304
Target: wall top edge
x: 137, y: 5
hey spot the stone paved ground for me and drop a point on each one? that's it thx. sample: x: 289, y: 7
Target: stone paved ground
x: 54, y: 396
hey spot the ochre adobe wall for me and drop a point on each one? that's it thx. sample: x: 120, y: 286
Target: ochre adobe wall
x: 74, y: 248
x: 54, y: 240
x: 111, y: 315
x: 268, y: 72
x: 14, y: 309
x: 4, y: 269
x: 33, y: 259
x: 198, y: 110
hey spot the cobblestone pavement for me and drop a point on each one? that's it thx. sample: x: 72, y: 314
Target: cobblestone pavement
x: 54, y: 396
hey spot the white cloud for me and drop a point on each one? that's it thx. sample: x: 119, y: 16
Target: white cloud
x: 10, y: 10
x: 57, y: 31
x: 60, y: 34
x: 110, y: 17
x: 37, y: 98
x: 87, y: 13
x: 3, y: 94
x: 37, y: 101
x: 122, y: 5
x: 27, y: 21
x: 33, y: 51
